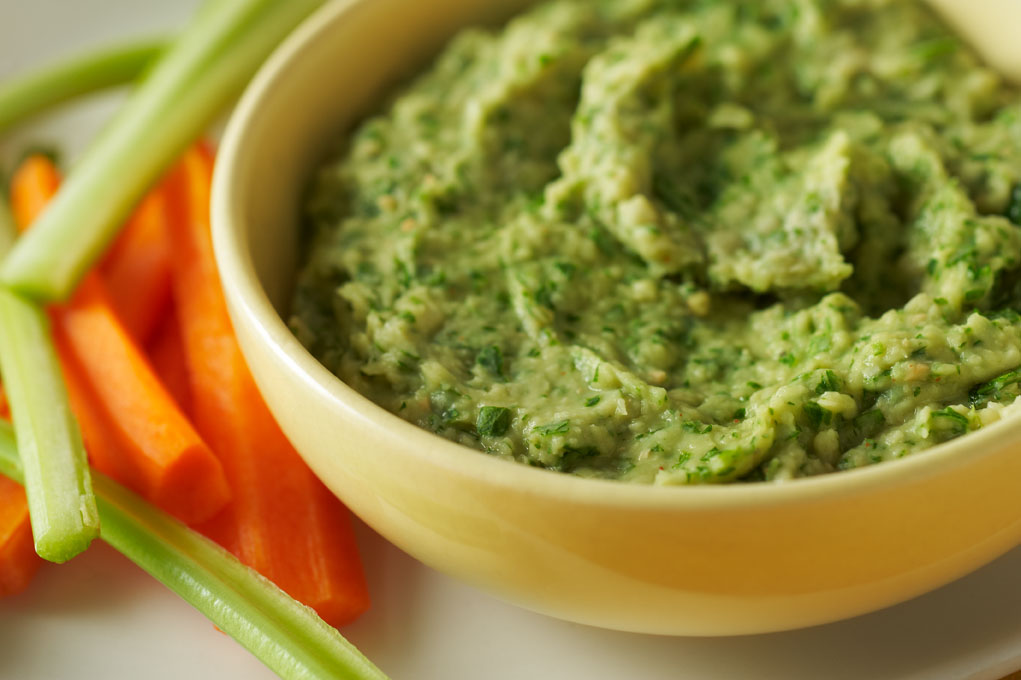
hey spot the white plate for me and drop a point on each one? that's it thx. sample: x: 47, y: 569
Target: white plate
x: 99, y: 616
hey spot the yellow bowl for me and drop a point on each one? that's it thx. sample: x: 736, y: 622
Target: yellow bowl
x: 693, y: 561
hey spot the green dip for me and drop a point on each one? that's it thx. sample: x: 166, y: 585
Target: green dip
x: 681, y: 242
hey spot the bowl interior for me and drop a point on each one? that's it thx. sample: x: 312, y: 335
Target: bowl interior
x: 423, y: 29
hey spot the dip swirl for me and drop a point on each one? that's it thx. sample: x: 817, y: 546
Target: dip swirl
x: 681, y: 242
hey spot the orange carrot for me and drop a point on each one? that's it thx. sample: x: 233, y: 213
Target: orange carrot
x: 166, y: 352
x: 32, y: 186
x: 104, y: 448
x: 136, y: 269
x: 133, y: 429
x: 174, y: 467
x: 18, y: 561
x: 281, y: 519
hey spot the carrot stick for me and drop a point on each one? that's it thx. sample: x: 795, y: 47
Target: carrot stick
x: 136, y: 432
x: 105, y: 450
x: 18, y: 561
x: 281, y: 519
x: 34, y: 184
x: 166, y: 352
x: 175, y: 468
x: 136, y: 270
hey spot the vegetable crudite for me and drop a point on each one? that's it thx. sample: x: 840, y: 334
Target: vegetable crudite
x: 115, y: 394
x: 122, y: 354
x: 196, y: 77
x: 137, y: 432
x: 680, y: 243
x: 284, y: 634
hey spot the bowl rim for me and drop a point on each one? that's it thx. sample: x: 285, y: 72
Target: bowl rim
x: 242, y: 286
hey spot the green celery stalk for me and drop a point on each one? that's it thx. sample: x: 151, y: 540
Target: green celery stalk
x: 194, y: 80
x: 60, y: 497
x: 287, y: 636
x: 24, y: 97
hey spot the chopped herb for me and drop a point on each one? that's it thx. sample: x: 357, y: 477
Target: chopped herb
x: 958, y: 423
x: 991, y: 391
x: 403, y: 273
x: 437, y: 278
x: 491, y: 359
x: 493, y: 421
x: 828, y: 383
x: 739, y: 414
x: 544, y: 295
x: 711, y: 453
x: 696, y: 427
x: 787, y: 359
x: 554, y: 428
x: 643, y: 435
x: 602, y: 240
x: 592, y: 401
x: 478, y: 280
x: 817, y: 415
x: 566, y: 268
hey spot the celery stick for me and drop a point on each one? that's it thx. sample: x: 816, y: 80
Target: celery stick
x: 194, y: 80
x: 60, y: 498
x: 24, y: 97
x: 8, y: 232
x: 285, y: 635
